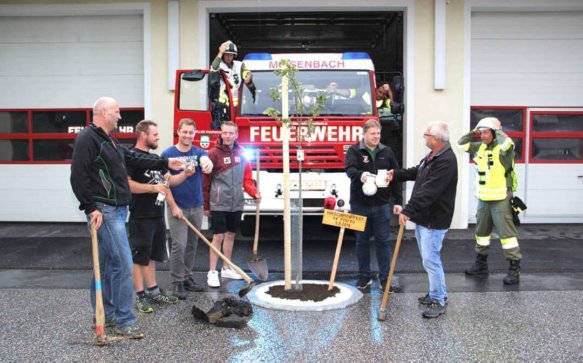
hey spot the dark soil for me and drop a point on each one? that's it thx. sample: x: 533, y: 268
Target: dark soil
x: 309, y: 292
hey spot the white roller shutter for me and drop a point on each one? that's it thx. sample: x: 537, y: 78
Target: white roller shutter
x: 63, y: 62
x: 527, y: 58
x: 70, y: 61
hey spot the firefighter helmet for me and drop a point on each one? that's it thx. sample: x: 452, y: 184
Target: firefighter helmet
x: 488, y: 123
x: 231, y: 49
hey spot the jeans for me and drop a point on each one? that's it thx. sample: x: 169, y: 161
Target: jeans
x: 378, y: 223
x: 429, y: 242
x: 184, y: 243
x: 115, y: 265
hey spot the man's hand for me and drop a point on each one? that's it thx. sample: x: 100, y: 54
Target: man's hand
x: 96, y: 219
x: 397, y: 209
x: 160, y: 188
x: 190, y: 169
x: 176, y: 164
x: 207, y: 213
x: 364, y: 176
x: 223, y: 47
x: 206, y: 164
x: 177, y: 212
x: 403, y: 218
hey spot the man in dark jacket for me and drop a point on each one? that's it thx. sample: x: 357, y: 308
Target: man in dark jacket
x: 431, y: 208
x: 363, y: 160
x: 100, y: 182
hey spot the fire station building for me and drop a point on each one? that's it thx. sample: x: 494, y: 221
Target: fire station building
x: 461, y: 60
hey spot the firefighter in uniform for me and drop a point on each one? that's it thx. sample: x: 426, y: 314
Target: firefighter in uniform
x: 494, y: 160
x: 236, y: 73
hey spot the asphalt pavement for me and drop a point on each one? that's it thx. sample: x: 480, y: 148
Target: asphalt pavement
x: 45, y: 273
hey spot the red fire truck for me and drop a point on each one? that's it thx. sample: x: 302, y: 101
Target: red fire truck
x: 337, y: 126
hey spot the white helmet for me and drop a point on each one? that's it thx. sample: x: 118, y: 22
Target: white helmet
x: 488, y: 123
x: 231, y: 49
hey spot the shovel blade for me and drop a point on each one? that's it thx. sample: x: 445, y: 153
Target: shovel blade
x: 382, y: 315
x: 244, y: 291
x: 258, y: 265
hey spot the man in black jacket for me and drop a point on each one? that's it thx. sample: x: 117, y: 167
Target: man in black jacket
x: 363, y: 160
x: 100, y: 182
x: 431, y: 208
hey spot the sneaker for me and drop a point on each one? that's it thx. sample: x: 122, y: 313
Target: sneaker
x: 426, y: 300
x: 109, y: 322
x: 363, y: 282
x: 395, y: 286
x: 229, y: 273
x: 191, y: 285
x: 433, y: 310
x: 143, y: 304
x: 163, y: 298
x: 132, y: 332
x: 178, y: 290
x: 212, y: 279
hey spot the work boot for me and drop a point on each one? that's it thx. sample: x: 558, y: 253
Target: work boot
x: 178, y: 290
x: 480, y: 266
x: 513, y: 276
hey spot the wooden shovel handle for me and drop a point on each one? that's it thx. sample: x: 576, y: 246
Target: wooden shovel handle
x: 216, y: 250
x: 392, y: 269
x: 256, y: 238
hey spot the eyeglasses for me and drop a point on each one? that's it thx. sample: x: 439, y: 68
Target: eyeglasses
x: 426, y: 135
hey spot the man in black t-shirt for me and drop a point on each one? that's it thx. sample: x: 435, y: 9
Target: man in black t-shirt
x: 147, y: 229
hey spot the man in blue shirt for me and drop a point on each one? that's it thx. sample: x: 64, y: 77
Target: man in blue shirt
x: 188, y: 198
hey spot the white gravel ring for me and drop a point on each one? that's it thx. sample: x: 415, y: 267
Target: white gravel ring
x: 347, y: 296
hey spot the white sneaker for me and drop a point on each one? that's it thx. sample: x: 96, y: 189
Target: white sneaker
x: 229, y: 273
x: 212, y: 278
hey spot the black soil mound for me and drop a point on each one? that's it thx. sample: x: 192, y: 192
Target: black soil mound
x: 309, y: 292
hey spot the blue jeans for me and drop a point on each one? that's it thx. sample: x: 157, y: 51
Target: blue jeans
x: 378, y: 224
x: 429, y: 242
x: 115, y: 265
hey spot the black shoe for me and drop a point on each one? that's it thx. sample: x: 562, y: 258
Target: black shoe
x: 433, y: 310
x: 395, y: 286
x: 191, y: 285
x: 513, y: 276
x: 363, y: 282
x: 178, y: 290
x: 480, y: 266
x: 426, y: 300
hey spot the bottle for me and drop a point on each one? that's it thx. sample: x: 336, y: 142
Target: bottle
x: 161, y: 196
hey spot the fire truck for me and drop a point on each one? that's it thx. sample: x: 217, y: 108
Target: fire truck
x: 348, y: 82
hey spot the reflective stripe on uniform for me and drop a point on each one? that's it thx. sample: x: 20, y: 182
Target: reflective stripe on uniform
x: 465, y: 147
x: 508, y: 243
x: 506, y: 144
x: 483, y: 241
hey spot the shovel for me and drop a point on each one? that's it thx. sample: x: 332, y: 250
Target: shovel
x: 383, y: 311
x: 258, y: 265
x: 250, y: 283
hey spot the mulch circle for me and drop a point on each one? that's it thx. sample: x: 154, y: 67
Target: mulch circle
x: 309, y: 292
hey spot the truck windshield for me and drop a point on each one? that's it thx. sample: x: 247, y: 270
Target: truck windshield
x: 353, y: 96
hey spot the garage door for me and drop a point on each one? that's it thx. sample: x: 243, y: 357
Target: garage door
x: 70, y: 61
x: 48, y: 64
x: 522, y: 62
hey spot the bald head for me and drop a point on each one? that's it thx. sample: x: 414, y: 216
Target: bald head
x: 106, y: 113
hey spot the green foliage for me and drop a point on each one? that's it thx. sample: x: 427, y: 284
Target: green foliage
x: 305, y: 118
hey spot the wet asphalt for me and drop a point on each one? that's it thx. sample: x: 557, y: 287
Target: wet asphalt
x: 45, y: 314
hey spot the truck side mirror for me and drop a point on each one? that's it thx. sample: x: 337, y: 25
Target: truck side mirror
x: 397, y: 106
x: 192, y: 76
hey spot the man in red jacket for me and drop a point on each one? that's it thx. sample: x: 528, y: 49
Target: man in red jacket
x: 224, y: 200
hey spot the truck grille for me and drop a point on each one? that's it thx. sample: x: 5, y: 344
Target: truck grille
x: 315, y: 156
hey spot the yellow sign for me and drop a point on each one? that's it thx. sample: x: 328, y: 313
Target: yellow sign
x: 344, y: 220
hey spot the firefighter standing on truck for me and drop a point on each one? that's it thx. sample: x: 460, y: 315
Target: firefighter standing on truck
x: 494, y: 159
x: 236, y: 73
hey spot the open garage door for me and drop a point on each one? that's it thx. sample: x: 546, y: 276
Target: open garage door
x: 378, y: 33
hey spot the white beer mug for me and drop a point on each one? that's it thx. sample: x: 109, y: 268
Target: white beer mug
x: 369, y: 188
x: 381, y: 178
